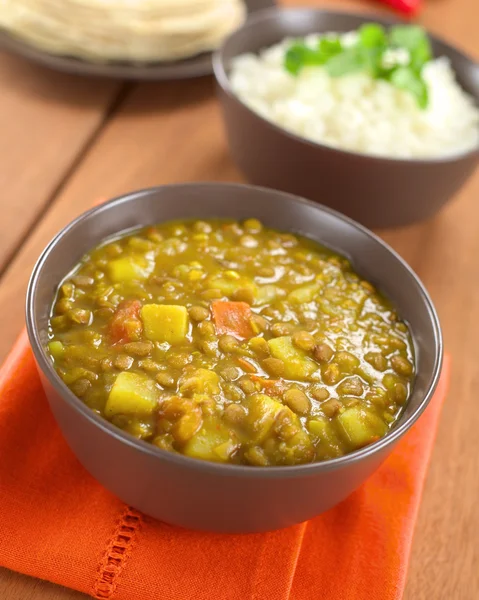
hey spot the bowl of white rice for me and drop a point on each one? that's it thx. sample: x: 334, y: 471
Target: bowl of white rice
x: 387, y: 144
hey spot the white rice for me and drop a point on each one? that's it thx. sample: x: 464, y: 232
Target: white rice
x: 356, y: 112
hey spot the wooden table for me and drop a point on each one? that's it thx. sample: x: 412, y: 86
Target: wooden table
x: 66, y: 141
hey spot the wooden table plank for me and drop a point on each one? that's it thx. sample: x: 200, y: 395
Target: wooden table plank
x: 14, y: 586
x: 172, y: 132
x: 47, y: 120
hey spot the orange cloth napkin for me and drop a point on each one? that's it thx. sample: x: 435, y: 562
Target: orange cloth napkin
x: 59, y: 524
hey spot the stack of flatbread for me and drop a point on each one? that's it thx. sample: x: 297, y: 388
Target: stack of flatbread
x: 122, y: 30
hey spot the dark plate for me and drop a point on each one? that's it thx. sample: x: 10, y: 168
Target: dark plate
x: 196, y: 66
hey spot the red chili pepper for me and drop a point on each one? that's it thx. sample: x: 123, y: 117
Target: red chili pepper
x: 408, y: 7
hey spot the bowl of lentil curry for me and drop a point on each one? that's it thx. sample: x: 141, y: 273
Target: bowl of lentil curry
x: 228, y: 341
x: 229, y: 358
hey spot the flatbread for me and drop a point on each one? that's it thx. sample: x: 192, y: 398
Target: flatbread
x: 122, y: 30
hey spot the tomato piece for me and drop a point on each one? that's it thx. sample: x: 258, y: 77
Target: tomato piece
x: 125, y: 325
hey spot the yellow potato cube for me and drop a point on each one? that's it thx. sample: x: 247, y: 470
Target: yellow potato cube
x: 187, y: 425
x: 297, y: 365
x: 361, y: 427
x: 267, y: 294
x: 325, y: 436
x: 130, y: 268
x: 200, y: 381
x: 288, y: 443
x: 262, y: 411
x: 225, y: 450
x: 229, y: 285
x: 210, y: 442
x: 131, y: 394
x: 303, y: 294
x: 165, y: 323
x: 297, y: 450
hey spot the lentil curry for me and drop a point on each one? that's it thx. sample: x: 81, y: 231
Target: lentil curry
x: 231, y: 342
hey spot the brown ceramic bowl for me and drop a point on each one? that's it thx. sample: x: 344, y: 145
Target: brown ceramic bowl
x: 194, y: 493
x: 378, y: 192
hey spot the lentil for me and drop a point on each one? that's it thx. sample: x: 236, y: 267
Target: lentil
x: 304, y: 340
x: 351, y: 387
x: 297, y: 401
x: 282, y: 329
x: 319, y: 393
x: 235, y: 414
x: 274, y: 366
x: 377, y: 360
x: 244, y: 294
x: 323, y: 353
x: 230, y: 373
x: 228, y: 343
x: 401, y: 365
x: 199, y: 313
x: 123, y: 362
x: 331, y: 407
x: 141, y: 349
x: 247, y: 385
